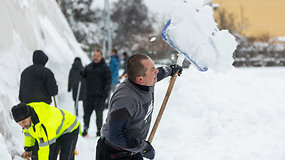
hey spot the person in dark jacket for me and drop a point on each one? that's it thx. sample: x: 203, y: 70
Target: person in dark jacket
x: 73, y: 83
x: 37, y: 82
x: 98, y: 81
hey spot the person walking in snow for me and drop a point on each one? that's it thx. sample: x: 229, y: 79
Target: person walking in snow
x: 37, y: 82
x: 73, y: 83
x: 130, y: 110
x: 51, y: 127
x: 98, y: 81
x: 115, y: 64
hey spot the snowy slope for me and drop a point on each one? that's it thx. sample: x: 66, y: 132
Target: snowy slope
x: 25, y: 27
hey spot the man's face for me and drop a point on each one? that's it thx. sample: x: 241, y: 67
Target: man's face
x: 26, y: 123
x: 112, y: 53
x: 150, y: 77
x: 97, y: 57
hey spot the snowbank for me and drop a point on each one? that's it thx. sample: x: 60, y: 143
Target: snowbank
x: 27, y: 26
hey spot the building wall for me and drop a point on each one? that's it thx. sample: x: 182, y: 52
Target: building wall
x: 265, y: 16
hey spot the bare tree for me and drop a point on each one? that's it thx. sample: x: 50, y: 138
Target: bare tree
x: 132, y: 21
x: 86, y: 24
x: 228, y: 20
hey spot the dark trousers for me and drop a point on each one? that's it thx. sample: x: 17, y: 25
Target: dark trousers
x: 66, y: 144
x: 97, y: 104
x: 76, y: 109
x: 35, y: 151
x: 105, y: 151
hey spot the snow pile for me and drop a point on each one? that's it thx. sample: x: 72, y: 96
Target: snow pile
x: 230, y: 115
x: 27, y: 26
x: 3, y: 150
x: 195, y: 32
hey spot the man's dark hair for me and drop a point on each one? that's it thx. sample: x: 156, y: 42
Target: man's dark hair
x: 98, y: 50
x: 134, y: 66
x: 125, y: 54
x: 114, y: 50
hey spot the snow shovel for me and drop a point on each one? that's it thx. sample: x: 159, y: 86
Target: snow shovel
x: 158, y: 118
x: 168, y: 39
x: 54, y: 101
x: 77, y: 98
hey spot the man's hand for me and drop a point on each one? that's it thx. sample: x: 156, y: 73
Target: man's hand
x: 176, y: 68
x: 26, y: 155
x: 148, y: 151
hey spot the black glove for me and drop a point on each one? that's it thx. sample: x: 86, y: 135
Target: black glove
x: 148, y: 151
x: 175, y: 68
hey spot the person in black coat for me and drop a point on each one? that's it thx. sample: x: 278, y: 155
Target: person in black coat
x: 37, y: 82
x: 73, y: 83
x: 98, y: 82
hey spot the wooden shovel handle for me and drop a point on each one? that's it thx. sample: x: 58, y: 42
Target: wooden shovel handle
x: 162, y: 108
x: 54, y: 101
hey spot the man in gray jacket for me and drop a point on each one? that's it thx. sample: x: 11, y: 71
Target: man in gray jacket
x: 130, y: 109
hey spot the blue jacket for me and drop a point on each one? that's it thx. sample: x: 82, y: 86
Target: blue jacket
x: 115, y: 63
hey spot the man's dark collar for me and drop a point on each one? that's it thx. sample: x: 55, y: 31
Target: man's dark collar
x: 141, y: 87
x: 99, y: 63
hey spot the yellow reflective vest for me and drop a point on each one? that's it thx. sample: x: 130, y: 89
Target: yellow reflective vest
x: 48, y: 124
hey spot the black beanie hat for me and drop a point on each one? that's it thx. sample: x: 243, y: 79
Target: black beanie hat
x: 20, y: 112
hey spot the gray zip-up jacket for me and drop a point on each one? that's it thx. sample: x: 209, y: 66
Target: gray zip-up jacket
x: 129, y: 116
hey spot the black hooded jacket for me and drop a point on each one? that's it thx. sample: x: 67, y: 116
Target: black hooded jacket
x: 37, y: 82
x: 74, y: 78
x: 98, y: 79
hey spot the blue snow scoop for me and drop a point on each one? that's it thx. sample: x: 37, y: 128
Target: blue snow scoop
x: 166, y: 37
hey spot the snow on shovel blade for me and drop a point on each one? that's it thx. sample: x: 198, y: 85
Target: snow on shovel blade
x: 166, y: 37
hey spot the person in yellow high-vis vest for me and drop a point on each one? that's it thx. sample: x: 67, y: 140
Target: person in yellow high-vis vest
x: 54, y: 129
